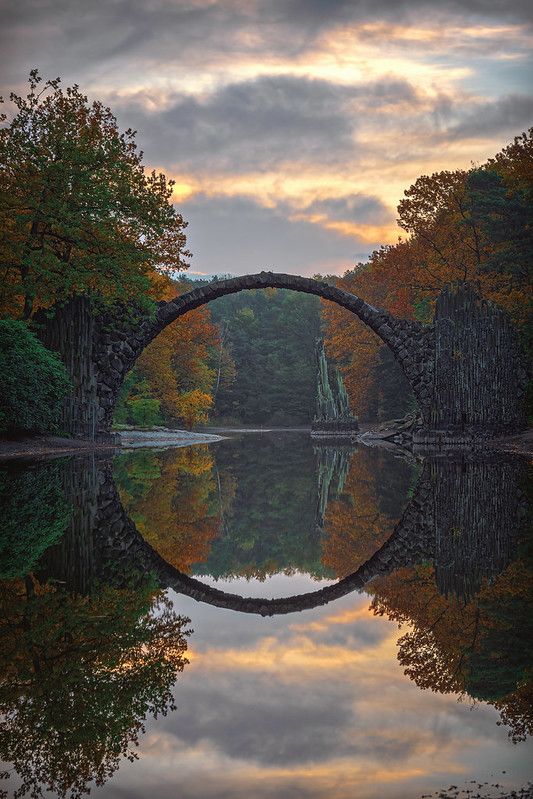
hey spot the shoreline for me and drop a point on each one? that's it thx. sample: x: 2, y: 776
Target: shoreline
x: 34, y: 447
x: 44, y: 446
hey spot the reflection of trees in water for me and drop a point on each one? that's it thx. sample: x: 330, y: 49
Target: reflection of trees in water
x: 172, y: 497
x: 78, y: 677
x: 269, y: 523
x: 333, y: 464
x: 481, y: 646
x: 478, y: 509
x: 266, y: 505
x: 82, y: 663
x: 34, y: 515
x: 364, y: 505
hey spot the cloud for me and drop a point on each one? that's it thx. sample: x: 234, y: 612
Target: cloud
x: 253, y: 125
x: 261, y: 124
x: 239, y: 236
x: 292, y: 127
x: 261, y: 720
x: 72, y: 32
x: 326, y: 13
x: 513, y: 113
x: 354, y: 207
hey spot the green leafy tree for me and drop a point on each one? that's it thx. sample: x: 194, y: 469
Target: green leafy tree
x: 33, y: 381
x: 271, y: 336
x: 504, y: 215
x: 145, y: 412
x: 78, y: 212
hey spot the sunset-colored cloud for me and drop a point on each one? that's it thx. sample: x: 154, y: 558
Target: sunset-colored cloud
x: 286, y: 104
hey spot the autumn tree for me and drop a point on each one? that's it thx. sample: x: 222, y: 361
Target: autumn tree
x: 354, y: 347
x: 79, y: 213
x: 470, y: 225
x: 173, y: 378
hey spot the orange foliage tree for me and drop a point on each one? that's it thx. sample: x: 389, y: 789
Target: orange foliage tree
x: 356, y: 349
x: 463, y: 225
x: 174, y: 369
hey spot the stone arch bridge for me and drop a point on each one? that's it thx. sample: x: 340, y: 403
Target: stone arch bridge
x: 465, y: 369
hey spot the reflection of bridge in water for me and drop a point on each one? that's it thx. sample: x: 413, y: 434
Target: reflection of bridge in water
x: 464, y: 515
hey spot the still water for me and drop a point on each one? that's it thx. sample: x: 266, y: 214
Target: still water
x: 265, y: 617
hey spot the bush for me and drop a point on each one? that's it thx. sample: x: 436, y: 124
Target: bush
x: 145, y: 412
x: 33, y: 381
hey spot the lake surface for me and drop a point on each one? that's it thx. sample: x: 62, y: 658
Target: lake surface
x: 266, y: 617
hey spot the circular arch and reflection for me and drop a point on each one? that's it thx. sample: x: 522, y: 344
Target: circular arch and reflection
x: 478, y: 495
x: 408, y: 543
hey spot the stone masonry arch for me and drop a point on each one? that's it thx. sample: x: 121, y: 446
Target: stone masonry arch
x: 411, y: 343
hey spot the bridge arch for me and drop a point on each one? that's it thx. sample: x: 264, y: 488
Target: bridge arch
x: 411, y: 343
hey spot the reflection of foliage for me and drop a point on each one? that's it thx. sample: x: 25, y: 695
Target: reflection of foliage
x: 255, y: 512
x: 270, y: 525
x: 34, y: 515
x: 363, y: 516
x: 170, y: 497
x: 481, y: 647
x: 79, y: 676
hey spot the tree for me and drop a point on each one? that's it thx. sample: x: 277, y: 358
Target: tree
x: 173, y: 371
x: 269, y: 341
x: 470, y: 225
x: 78, y: 212
x: 355, y: 348
x: 33, y: 381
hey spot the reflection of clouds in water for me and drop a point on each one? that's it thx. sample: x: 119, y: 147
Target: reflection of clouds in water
x: 312, y: 706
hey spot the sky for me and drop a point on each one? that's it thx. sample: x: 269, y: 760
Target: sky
x: 291, y: 127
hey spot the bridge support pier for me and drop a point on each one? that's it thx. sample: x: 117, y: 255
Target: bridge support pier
x: 479, y: 375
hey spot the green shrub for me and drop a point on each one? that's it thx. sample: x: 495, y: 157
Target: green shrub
x: 145, y: 412
x: 33, y: 381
